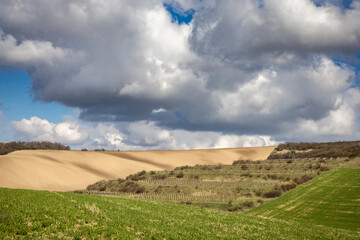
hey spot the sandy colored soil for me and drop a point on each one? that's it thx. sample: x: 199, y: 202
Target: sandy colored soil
x: 73, y: 170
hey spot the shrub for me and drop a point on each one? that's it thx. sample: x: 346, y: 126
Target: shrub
x: 140, y: 189
x: 180, y: 175
x: 137, y: 176
x: 272, y: 193
x: 303, y: 179
x: 159, y: 177
x: 287, y: 187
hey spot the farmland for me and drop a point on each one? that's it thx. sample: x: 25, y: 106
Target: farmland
x: 62, y: 170
x: 310, y: 197
x: 330, y: 200
x: 236, y: 187
x: 54, y: 215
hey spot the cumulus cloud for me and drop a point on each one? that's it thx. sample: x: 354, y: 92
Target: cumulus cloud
x: 252, y: 68
x: 69, y: 133
x: 141, y: 135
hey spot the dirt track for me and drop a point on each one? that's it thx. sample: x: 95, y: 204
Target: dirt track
x: 72, y: 170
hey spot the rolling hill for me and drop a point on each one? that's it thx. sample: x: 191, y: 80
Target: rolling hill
x: 72, y: 170
x: 332, y: 199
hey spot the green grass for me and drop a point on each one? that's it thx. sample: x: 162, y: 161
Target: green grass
x: 332, y: 200
x: 51, y: 215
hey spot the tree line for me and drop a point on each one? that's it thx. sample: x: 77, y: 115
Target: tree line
x: 309, y: 150
x: 8, y: 147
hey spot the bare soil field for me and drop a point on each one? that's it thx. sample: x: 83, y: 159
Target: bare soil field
x: 71, y: 170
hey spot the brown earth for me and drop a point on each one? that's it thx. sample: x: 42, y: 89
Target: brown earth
x: 71, y: 170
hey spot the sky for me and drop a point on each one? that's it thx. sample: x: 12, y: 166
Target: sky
x: 179, y: 74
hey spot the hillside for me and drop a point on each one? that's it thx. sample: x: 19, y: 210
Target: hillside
x: 235, y: 187
x: 331, y: 200
x: 52, y: 215
x: 72, y: 170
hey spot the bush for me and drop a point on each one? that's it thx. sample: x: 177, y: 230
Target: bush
x: 140, y: 189
x: 137, y: 176
x: 159, y: 177
x: 180, y: 175
x: 287, y: 187
x: 119, y: 185
x: 303, y: 179
x: 272, y: 193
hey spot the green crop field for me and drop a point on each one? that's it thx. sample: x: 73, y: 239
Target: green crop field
x: 57, y: 215
x: 333, y: 200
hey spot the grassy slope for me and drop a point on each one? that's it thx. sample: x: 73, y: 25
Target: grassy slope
x: 333, y: 200
x: 216, y: 186
x: 41, y: 214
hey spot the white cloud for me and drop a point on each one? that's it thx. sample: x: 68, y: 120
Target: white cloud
x: 230, y: 141
x: 33, y: 53
x: 340, y: 123
x: 238, y: 69
x: 69, y: 133
x: 140, y: 135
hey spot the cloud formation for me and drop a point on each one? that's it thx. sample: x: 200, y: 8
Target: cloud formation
x: 141, y: 135
x: 36, y: 129
x: 252, y: 68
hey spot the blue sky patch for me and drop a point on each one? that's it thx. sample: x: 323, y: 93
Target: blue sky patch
x: 178, y: 14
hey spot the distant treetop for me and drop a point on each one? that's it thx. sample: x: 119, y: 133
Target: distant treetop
x: 8, y: 147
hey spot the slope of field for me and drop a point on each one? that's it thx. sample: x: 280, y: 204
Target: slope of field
x: 53, y: 215
x: 71, y: 170
x: 234, y: 187
x: 333, y: 200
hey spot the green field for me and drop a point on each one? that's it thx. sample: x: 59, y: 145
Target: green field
x: 202, y: 202
x: 52, y: 215
x: 333, y: 200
